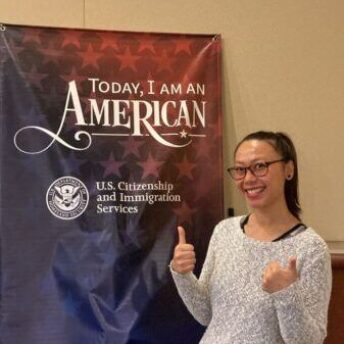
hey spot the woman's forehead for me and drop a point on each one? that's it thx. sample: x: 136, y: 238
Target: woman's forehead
x: 255, y: 149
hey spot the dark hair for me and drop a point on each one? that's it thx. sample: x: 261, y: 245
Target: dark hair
x: 284, y: 146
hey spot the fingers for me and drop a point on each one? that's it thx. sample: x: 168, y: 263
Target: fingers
x: 184, y: 258
x: 181, y: 235
x: 268, y: 273
x: 275, y: 277
x: 292, y: 263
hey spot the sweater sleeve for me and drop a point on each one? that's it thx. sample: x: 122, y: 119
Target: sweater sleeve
x: 195, y: 292
x: 302, y: 307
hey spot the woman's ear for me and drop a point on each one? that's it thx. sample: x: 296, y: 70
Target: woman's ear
x: 289, y: 170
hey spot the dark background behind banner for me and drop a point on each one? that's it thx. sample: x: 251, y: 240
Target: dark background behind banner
x: 102, y: 277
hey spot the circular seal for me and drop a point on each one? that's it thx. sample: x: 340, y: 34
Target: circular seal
x: 67, y: 198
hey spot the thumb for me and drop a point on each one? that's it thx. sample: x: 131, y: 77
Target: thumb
x: 292, y: 263
x: 181, y: 235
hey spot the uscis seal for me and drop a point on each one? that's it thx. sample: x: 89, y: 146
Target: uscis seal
x: 67, y: 198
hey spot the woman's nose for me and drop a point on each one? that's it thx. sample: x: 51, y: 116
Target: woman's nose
x: 250, y: 175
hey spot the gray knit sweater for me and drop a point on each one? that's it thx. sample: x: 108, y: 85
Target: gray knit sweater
x: 229, y: 300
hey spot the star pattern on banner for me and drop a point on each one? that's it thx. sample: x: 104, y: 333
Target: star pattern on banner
x: 150, y: 166
x: 109, y: 41
x: 131, y: 147
x: 183, y: 45
x: 90, y: 57
x: 128, y: 60
x: 185, y: 168
x: 164, y: 62
x: 71, y: 38
x: 112, y: 166
x: 147, y: 44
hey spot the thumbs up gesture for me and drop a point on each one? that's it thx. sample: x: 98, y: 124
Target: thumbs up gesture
x: 184, y: 257
x: 276, y: 278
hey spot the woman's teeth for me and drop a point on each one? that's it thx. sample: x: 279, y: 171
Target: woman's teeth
x: 254, y: 190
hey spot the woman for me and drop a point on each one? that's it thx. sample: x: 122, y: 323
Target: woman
x: 267, y: 277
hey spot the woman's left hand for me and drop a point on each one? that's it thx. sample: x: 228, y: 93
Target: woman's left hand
x: 276, y: 278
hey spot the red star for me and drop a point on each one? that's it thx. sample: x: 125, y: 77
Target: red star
x: 109, y: 41
x: 183, y: 45
x: 150, y: 167
x: 185, y: 168
x: 71, y: 37
x: 89, y: 57
x: 184, y: 213
x: 164, y: 62
x: 131, y: 146
x: 128, y: 60
x: 112, y: 166
x: 31, y: 35
x: 146, y: 43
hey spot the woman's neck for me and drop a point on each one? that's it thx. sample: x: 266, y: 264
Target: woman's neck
x: 267, y: 226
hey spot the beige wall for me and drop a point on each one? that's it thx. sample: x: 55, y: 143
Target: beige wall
x: 283, y: 69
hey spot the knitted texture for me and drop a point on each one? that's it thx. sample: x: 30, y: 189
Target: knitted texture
x: 228, y: 296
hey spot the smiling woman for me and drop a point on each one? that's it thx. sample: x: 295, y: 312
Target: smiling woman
x: 267, y: 276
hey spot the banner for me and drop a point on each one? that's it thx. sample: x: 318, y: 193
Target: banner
x: 109, y: 140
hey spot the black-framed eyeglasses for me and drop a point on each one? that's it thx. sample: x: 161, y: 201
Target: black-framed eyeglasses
x: 258, y: 169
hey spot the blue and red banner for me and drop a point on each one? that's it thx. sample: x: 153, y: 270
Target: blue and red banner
x: 109, y: 140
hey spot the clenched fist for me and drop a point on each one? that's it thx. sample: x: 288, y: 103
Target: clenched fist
x: 276, y: 278
x: 184, y: 258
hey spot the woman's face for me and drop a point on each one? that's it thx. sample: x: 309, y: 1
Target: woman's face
x: 262, y: 192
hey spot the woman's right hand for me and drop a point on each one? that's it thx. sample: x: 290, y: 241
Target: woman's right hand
x: 184, y: 258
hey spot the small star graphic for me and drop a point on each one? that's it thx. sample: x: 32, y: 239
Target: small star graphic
x: 164, y: 62
x: 112, y: 166
x: 185, y: 168
x: 147, y: 43
x: 183, y: 45
x: 90, y: 57
x: 183, y: 134
x: 128, y: 60
x: 131, y: 146
x: 150, y: 167
x: 71, y: 38
x: 109, y: 41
